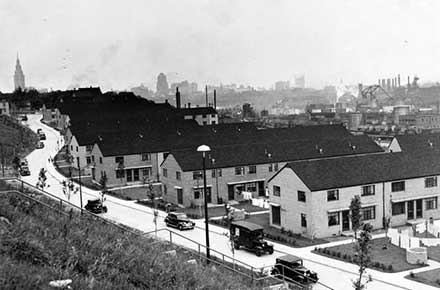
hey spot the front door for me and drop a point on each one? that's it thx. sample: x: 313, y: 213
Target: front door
x: 136, y: 174
x: 93, y: 173
x: 231, y: 192
x: 179, y: 196
x: 129, y: 175
x: 410, y: 207
x: 419, y: 208
x: 261, y: 189
x: 276, y: 215
x: 208, y: 195
x: 345, y: 220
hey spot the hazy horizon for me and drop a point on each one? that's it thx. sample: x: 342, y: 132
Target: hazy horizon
x: 121, y: 44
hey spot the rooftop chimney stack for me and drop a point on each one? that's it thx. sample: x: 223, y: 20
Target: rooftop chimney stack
x: 215, y: 99
x: 206, y: 95
x: 398, y: 80
x: 177, y: 98
x: 388, y: 84
x: 409, y: 84
x: 189, y: 105
x: 383, y: 84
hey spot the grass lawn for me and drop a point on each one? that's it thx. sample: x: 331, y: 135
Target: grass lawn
x: 381, y: 258
x: 431, y: 277
x: 133, y: 193
x: 220, y: 211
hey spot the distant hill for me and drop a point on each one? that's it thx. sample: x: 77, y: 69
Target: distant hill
x: 17, y: 139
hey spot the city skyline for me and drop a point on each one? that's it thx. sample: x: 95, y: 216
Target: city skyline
x: 254, y: 43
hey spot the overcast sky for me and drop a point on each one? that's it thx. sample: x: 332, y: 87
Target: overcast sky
x: 120, y: 44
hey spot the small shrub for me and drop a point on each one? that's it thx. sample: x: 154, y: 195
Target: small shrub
x: 283, y: 230
x: 333, y: 253
x: 338, y: 254
x: 411, y: 274
x: 376, y: 264
x: 344, y: 257
x: 290, y: 233
x: 437, y: 281
x: 390, y: 268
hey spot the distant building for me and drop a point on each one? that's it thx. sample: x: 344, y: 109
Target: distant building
x: 185, y: 87
x: 142, y: 91
x: 281, y: 85
x: 18, y: 76
x: 202, y: 115
x: 162, y: 85
x: 4, y: 108
x: 420, y: 122
x: 300, y: 82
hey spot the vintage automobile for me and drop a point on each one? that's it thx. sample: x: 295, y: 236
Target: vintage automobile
x: 291, y: 268
x: 42, y: 136
x: 250, y: 236
x: 39, y: 130
x: 179, y: 220
x: 40, y: 145
x: 24, y: 118
x: 24, y: 171
x: 95, y: 206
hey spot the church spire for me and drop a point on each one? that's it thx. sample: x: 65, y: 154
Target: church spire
x: 18, y: 75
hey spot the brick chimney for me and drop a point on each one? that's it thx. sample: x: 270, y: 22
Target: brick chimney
x: 177, y: 98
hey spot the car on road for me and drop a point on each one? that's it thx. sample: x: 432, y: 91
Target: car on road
x: 39, y: 131
x: 24, y: 118
x: 23, y: 162
x: 250, y: 236
x: 95, y: 206
x: 291, y: 268
x: 24, y: 171
x: 40, y: 145
x: 179, y: 220
x: 42, y: 136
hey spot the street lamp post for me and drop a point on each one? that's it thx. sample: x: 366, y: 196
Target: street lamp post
x: 204, y: 149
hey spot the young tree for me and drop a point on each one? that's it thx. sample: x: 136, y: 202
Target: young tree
x: 69, y: 188
x: 41, y: 183
x: 103, y: 181
x: 16, y: 164
x: 362, y: 253
x: 355, y: 214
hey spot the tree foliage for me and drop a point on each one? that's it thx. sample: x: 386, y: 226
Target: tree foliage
x: 363, y: 255
x: 355, y: 214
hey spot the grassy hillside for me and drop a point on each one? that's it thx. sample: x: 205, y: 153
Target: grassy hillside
x: 38, y: 245
x: 17, y: 139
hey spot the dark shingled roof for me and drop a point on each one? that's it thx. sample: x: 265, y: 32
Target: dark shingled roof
x: 281, y: 151
x: 348, y: 171
x: 417, y: 142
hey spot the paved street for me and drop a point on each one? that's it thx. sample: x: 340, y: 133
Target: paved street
x: 335, y: 274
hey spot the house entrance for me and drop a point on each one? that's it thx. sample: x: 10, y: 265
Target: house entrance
x: 345, y: 220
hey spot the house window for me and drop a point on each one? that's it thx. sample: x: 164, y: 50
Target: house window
x: 368, y: 213
x: 212, y: 116
x: 333, y: 195
x: 213, y: 173
x: 303, y: 220
x: 165, y: 189
x: 301, y: 196
x: 431, y: 182
x: 71, y: 147
x: 120, y: 173
x: 252, y: 169
x: 205, y: 123
x: 270, y: 168
x: 119, y: 159
x: 203, y: 116
x: 398, y: 186
x: 213, y: 122
x: 146, y: 157
x: 333, y: 219
x: 431, y: 203
x: 93, y: 158
x: 276, y: 190
x: 197, y: 175
x: 100, y: 160
x: 239, y: 170
x: 398, y: 208
x: 146, y: 172
x: 164, y: 172
x: 368, y: 190
x: 275, y: 167
x: 88, y: 160
x: 165, y: 155
x: 178, y: 175
x: 76, y: 148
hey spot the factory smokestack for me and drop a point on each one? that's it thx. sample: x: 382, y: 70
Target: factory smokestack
x: 398, y: 80
x: 383, y: 84
x: 388, y: 84
x: 177, y: 98
x: 215, y: 99
x: 408, y: 82
x: 206, y: 95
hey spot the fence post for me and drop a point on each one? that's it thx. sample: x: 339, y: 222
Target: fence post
x: 199, y: 250
x: 223, y: 257
x: 252, y: 275
x: 171, y: 237
x: 61, y: 205
x: 22, y: 187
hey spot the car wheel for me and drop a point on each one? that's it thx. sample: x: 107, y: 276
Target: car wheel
x: 180, y: 227
x: 275, y: 272
x: 258, y: 253
x: 105, y: 209
x: 270, y: 251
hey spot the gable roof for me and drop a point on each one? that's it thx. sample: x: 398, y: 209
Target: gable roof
x: 348, y: 171
x: 272, y: 152
x: 418, y: 142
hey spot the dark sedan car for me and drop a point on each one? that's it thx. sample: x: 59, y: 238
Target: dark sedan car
x: 95, y: 206
x: 179, y: 220
x: 24, y: 171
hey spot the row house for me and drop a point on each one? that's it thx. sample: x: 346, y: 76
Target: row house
x: 54, y: 117
x: 202, y: 115
x: 239, y: 171
x: 313, y: 197
x: 415, y: 143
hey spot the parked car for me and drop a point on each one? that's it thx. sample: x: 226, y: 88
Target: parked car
x: 179, y: 220
x: 250, y: 236
x: 42, y: 136
x: 95, y: 206
x: 24, y: 171
x: 166, y: 206
x: 23, y: 162
x: 291, y: 268
x: 39, y: 130
x: 40, y: 145
x: 24, y: 118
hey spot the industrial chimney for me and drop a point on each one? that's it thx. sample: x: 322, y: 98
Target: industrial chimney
x: 206, y: 95
x: 383, y: 84
x: 177, y: 98
x: 398, y: 80
x: 388, y: 84
x: 215, y: 100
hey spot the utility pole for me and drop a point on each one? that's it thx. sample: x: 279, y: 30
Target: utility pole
x: 80, y: 189
x: 206, y: 95
x: 3, y: 160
